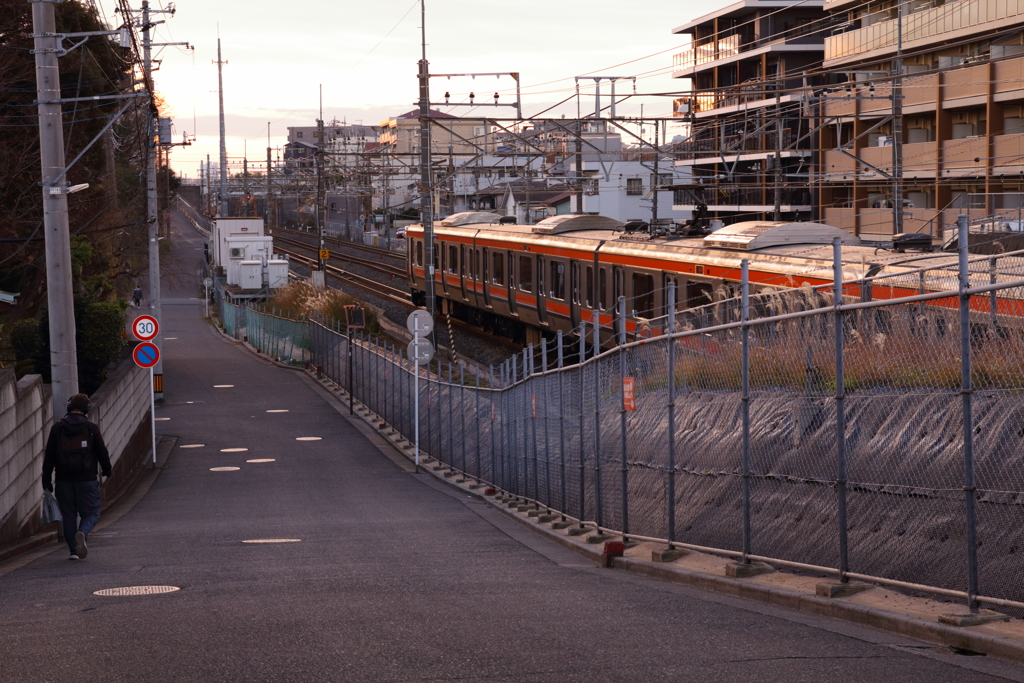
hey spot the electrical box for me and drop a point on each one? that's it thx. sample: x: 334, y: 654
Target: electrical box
x: 164, y: 130
x: 277, y: 273
x: 250, y: 275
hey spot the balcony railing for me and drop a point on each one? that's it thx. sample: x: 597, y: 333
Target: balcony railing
x: 953, y: 16
x: 722, y: 195
x: 731, y: 144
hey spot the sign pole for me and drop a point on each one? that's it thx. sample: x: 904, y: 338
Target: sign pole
x: 416, y: 419
x: 152, y: 412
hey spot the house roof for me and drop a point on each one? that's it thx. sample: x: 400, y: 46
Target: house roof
x: 434, y: 114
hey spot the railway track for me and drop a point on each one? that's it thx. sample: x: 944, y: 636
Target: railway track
x: 335, y: 241
x: 383, y: 291
x: 385, y: 268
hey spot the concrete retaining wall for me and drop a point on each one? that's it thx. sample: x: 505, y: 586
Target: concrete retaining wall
x: 120, y: 408
x: 26, y: 413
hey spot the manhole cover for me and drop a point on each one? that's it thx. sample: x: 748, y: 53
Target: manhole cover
x: 261, y: 460
x: 273, y: 540
x: 137, y: 590
x: 224, y: 469
x: 307, y: 438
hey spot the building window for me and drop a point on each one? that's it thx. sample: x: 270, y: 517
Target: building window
x: 298, y: 134
x: 557, y: 281
x: 661, y: 180
x: 634, y: 186
x: 526, y: 273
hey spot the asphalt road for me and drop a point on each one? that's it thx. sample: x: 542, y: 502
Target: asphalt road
x: 394, y: 577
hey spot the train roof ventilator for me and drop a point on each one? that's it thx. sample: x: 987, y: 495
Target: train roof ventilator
x: 752, y: 235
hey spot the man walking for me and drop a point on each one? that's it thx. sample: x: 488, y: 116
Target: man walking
x: 74, y: 449
x: 137, y: 296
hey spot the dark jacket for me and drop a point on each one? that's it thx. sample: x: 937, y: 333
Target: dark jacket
x: 73, y: 423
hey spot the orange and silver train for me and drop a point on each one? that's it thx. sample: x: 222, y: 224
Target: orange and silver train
x: 523, y: 282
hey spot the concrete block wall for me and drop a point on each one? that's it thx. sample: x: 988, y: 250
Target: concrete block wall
x: 26, y: 413
x: 120, y: 408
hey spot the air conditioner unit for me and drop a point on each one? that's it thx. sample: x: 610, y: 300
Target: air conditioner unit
x: 237, y: 252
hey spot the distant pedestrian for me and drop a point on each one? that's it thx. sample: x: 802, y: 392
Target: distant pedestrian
x: 137, y: 296
x: 74, y: 449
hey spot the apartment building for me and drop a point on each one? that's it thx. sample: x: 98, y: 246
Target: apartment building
x: 957, y: 110
x: 751, y: 67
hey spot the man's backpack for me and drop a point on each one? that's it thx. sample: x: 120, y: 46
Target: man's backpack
x: 76, y: 451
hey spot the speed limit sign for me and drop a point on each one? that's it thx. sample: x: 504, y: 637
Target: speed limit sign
x: 145, y: 328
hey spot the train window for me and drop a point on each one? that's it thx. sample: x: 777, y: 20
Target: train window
x: 498, y: 274
x: 603, y: 302
x: 511, y: 270
x: 462, y: 261
x: 540, y: 275
x: 590, y: 286
x: 419, y: 252
x: 483, y: 267
x: 526, y: 273
x: 557, y: 281
x: 643, y: 295
x: 453, y: 259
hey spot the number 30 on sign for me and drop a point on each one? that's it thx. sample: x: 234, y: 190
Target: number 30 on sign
x: 145, y: 328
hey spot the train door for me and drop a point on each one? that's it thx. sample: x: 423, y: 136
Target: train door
x: 542, y: 312
x: 485, y: 273
x: 575, y: 292
x: 618, y: 289
x: 512, y: 273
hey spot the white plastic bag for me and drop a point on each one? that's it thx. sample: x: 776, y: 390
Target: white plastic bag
x: 51, y: 511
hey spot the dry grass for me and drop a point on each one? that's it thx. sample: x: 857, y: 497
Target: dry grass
x: 301, y: 300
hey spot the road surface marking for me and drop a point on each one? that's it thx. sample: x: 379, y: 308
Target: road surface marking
x: 193, y: 445
x: 224, y: 469
x: 307, y: 438
x: 136, y: 590
x: 273, y: 540
x: 223, y: 386
x: 277, y: 411
x: 262, y: 460
x: 158, y: 419
x: 233, y: 450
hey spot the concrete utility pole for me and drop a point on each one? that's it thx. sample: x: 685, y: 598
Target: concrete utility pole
x: 266, y: 192
x: 321, y: 228
x: 778, y: 153
x: 657, y: 180
x: 579, y: 167
x: 152, y: 208
x: 59, y: 294
x: 426, y: 181
x: 225, y: 209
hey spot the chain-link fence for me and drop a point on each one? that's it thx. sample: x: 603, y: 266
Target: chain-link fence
x: 270, y: 331
x: 873, y: 430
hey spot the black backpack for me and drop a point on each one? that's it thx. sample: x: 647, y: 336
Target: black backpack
x: 76, y: 451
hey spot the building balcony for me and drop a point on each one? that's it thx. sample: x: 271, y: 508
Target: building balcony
x: 731, y: 198
x: 938, y: 24
x: 716, y: 147
x: 702, y: 57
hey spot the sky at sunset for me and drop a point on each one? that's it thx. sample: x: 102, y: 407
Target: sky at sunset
x: 365, y: 54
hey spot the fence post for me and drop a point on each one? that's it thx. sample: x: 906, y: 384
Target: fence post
x: 840, y: 334
x: 992, y: 272
x: 966, y: 391
x: 494, y: 412
x: 561, y: 427
x: 349, y: 346
x: 451, y: 417
x: 582, y: 369
x: 671, y: 488
x: 528, y: 384
x: 547, y: 401
x: 745, y: 403
x: 622, y: 416
x: 503, y: 458
x: 462, y: 414
x: 476, y: 411
x: 599, y: 503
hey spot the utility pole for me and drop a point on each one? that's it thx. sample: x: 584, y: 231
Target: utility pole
x: 897, y: 126
x: 657, y: 179
x: 778, y: 152
x: 245, y: 183
x: 209, y: 188
x: 321, y: 228
x: 426, y: 182
x: 224, y: 207
x: 266, y: 192
x: 59, y: 293
x: 579, y: 166
x: 152, y: 208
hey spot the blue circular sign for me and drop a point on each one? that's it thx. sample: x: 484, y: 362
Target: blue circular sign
x: 146, y: 355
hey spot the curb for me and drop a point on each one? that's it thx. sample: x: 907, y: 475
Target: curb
x: 960, y: 637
